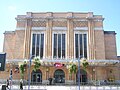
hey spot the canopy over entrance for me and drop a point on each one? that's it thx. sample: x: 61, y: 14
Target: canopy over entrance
x: 51, y: 62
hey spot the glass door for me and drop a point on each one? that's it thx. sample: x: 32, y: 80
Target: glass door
x: 59, y: 76
x: 36, y: 77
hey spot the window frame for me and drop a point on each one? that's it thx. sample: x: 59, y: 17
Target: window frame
x: 36, y: 32
x: 81, y: 32
x: 59, y: 32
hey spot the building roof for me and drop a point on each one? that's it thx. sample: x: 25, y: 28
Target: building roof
x: 9, y: 32
x: 109, y: 32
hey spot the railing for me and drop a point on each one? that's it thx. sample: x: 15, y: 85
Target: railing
x: 95, y: 85
x: 46, y: 82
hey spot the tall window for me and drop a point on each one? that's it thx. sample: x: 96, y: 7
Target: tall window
x: 80, y: 45
x: 59, y: 46
x: 38, y: 45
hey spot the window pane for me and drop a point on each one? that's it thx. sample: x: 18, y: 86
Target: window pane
x: 59, y: 45
x: 55, y: 46
x: 34, y: 78
x: 85, y: 46
x: 76, y: 46
x: 42, y: 46
x: 37, y: 45
x: 63, y: 45
x: 81, y: 46
x: 33, y: 44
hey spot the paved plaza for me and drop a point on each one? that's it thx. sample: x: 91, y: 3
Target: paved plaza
x: 16, y: 87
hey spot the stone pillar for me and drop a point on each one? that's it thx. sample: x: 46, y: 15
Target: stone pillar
x: 91, y: 41
x: 48, y: 36
x: 70, y: 36
x: 27, y: 39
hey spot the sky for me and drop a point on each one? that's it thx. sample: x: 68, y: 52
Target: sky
x: 110, y: 9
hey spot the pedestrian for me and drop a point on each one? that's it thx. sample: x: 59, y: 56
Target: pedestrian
x: 7, y: 84
x: 50, y: 81
x: 21, y: 84
x: 105, y: 82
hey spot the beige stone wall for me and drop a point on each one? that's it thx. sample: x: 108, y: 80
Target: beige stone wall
x: 21, y: 23
x: 13, y: 44
x: 110, y: 46
x: 100, y: 73
x: 98, y: 24
x: 19, y: 44
x: 9, y: 44
x: 99, y: 45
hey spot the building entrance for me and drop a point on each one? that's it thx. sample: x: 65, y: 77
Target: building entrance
x: 83, y: 76
x: 59, y: 76
x: 36, y: 77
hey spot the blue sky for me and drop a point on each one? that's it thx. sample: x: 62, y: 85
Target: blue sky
x: 110, y: 9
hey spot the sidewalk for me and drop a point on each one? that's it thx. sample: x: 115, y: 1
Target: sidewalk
x: 16, y: 87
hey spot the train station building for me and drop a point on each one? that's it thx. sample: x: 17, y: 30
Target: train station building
x: 58, y: 38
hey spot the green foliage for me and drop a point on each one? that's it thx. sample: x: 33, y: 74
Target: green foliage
x: 37, y: 63
x: 85, y: 64
x: 22, y: 69
x: 72, y: 68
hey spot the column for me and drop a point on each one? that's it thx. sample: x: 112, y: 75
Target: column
x: 91, y: 41
x: 70, y: 38
x: 27, y: 39
x: 48, y: 40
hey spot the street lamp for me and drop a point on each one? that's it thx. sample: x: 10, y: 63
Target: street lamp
x: 29, y: 66
x: 10, y: 78
x: 78, y: 74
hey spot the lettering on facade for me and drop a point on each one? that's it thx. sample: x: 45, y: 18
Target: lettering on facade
x: 58, y: 65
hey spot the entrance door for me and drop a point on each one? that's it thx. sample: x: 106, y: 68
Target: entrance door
x: 59, y: 76
x: 36, y: 77
x: 83, y: 76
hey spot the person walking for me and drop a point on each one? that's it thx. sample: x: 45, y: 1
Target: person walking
x: 7, y: 84
x: 21, y: 84
x: 50, y: 81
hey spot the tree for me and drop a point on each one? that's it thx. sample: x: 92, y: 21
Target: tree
x: 22, y: 69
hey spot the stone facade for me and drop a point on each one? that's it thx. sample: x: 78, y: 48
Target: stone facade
x: 101, y: 45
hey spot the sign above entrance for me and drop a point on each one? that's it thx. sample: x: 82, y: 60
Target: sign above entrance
x: 58, y: 65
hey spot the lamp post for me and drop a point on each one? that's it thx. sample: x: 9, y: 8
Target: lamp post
x: 78, y: 74
x: 10, y: 78
x: 29, y: 66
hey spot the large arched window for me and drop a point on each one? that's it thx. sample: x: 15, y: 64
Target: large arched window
x: 36, y: 77
x: 59, y: 76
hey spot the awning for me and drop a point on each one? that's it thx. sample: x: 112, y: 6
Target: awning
x: 50, y: 62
